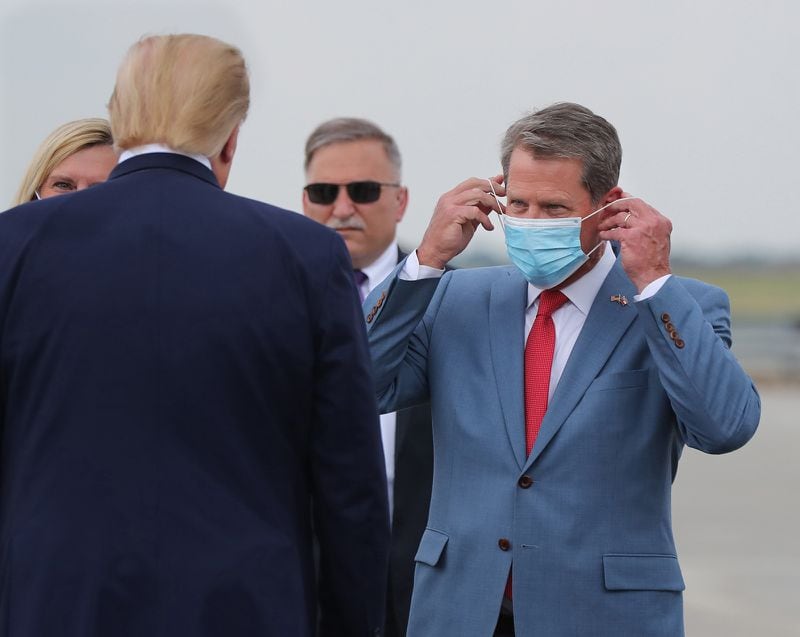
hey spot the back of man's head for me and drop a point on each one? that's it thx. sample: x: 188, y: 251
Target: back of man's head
x: 186, y: 91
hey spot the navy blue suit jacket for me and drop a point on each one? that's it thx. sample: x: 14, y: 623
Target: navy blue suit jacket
x: 185, y: 382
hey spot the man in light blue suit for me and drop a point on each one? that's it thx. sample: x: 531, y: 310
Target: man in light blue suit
x: 573, y: 536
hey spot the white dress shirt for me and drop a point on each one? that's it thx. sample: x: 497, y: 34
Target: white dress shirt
x: 570, y: 317
x: 376, y: 272
x: 161, y: 148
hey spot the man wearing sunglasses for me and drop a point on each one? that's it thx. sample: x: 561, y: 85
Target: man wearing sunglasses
x: 353, y: 172
x: 564, y: 389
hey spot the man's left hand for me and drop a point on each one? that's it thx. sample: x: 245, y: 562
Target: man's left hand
x: 643, y: 236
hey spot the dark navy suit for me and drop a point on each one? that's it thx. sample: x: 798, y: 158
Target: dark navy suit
x: 183, y: 372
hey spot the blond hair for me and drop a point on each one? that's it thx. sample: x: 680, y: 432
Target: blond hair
x: 186, y: 91
x: 63, y: 142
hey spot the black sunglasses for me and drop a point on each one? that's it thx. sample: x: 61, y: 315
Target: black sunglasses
x: 358, y: 191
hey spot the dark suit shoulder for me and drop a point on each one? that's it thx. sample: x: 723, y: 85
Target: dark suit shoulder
x: 29, y: 216
x: 296, y: 237
x: 19, y: 226
x: 285, y: 220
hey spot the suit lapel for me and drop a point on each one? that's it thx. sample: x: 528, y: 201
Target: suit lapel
x: 507, y: 342
x: 604, y: 327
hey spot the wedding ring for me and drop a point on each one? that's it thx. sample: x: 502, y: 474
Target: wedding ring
x: 625, y: 220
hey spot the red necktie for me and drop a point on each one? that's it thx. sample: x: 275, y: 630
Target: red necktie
x: 538, y: 362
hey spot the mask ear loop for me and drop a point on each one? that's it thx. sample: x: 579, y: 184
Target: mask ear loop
x: 36, y: 194
x: 499, y: 205
x: 606, y: 206
x: 598, y: 210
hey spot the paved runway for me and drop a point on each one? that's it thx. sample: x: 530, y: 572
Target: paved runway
x: 737, y: 525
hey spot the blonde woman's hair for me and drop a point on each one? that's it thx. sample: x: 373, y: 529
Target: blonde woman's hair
x: 63, y: 142
x: 186, y: 91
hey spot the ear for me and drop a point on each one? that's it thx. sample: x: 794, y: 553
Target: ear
x: 229, y: 149
x: 402, y: 203
x: 221, y: 163
x: 612, y: 195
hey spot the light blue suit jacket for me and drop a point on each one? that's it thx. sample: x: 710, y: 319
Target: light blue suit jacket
x: 591, y: 538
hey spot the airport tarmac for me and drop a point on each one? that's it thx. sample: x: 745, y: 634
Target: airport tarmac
x: 737, y: 525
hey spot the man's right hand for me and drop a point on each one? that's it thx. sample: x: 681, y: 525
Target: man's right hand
x: 457, y: 216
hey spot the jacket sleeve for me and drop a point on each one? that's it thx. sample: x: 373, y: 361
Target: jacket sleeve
x: 687, y: 327
x: 400, y: 316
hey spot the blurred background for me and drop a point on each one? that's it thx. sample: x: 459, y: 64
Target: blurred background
x: 704, y: 94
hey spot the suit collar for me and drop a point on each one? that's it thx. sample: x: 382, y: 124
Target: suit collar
x: 604, y: 328
x: 169, y: 161
x: 161, y: 148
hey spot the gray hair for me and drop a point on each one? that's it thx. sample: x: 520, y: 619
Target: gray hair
x: 571, y: 131
x: 351, y: 129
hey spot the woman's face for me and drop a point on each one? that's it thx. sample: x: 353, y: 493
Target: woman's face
x: 80, y: 170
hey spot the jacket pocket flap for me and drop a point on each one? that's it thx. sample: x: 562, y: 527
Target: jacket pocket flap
x: 642, y: 573
x: 430, y: 547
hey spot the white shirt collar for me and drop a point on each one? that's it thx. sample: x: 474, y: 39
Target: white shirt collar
x: 161, y: 148
x: 583, y: 291
x: 380, y: 268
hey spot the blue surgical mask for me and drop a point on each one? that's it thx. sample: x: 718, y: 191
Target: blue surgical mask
x: 546, y: 251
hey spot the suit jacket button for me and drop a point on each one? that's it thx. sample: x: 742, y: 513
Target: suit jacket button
x: 525, y: 482
x: 504, y: 544
x: 666, y: 318
x: 679, y: 343
x: 669, y: 326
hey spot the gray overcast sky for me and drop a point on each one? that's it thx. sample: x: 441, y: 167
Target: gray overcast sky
x: 705, y: 94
